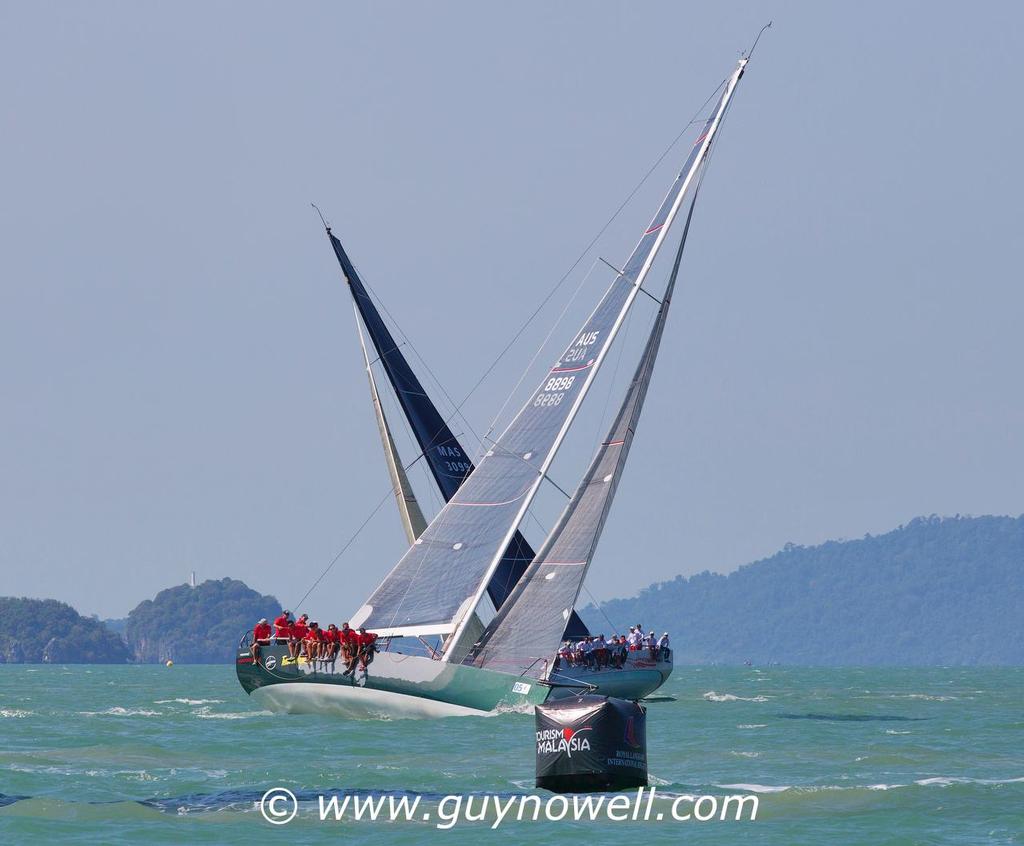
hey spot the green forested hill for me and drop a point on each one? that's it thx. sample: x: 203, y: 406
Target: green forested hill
x: 199, y: 625
x: 936, y: 591
x: 37, y: 631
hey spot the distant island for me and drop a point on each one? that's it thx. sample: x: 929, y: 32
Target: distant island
x: 196, y: 625
x: 199, y: 625
x: 45, y: 631
x: 932, y: 592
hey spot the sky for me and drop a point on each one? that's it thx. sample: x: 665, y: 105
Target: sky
x: 180, y: 379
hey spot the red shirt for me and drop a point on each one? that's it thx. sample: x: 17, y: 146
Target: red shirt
x: 313, y: 634
x: 347, y: 635
x: 299, y: 630
x: 366, y: 638
x: 262, y: 631
x: 332, y: 635
x: 282, y: 625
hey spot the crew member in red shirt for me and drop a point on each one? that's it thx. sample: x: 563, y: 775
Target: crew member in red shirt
x: 260, y: 637
x: 333, y: 643
x: 349, y: 648
x: 366, y: 647
x: 312, y: 642
x: 298, y: 636
x: 282, y: 627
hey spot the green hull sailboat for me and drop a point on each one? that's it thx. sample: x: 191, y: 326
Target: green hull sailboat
x: 488, y: 610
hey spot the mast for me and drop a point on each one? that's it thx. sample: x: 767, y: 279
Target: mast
x: 412, y: 516
x: 659, y: 228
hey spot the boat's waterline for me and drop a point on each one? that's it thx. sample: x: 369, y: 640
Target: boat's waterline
x: 355, y: 703
x: 394, y: 686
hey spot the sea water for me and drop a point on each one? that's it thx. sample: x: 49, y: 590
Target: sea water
x: 148, y: 754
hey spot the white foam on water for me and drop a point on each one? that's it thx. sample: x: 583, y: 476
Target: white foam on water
x: 752, y: 726
x: 118, y: 711
x: 946, y: 781
x: 745, y: 754
x: 927, y: 696
x: 711, y: 696
x: 758, y: 788
x: 189, y: 701
x: 894, y: 731
x: 15, y: 713
x: 204, y: 713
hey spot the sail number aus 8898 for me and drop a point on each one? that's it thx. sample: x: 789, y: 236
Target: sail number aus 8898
x: 553, y: 391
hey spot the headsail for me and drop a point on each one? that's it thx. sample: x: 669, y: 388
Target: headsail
x: 438, y: 583
x: 448, y: 460
x: 409, y: 509
x: 448, y: 463
x: 526, y: 631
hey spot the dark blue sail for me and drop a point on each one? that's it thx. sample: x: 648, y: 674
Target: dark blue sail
x: 449, y: 463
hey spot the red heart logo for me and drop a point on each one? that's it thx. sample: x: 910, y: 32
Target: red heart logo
x: 567, y: 733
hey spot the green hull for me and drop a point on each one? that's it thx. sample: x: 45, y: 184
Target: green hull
x: 393, y: 686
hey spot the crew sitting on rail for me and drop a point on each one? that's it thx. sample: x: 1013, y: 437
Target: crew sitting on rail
x: 332, y: 642
x: 260, y: 637
x: 349, y: 648
x: 651, y: 643
x: 663, y: 647
x: 298, y: 633
x: 361, y: 648
x: 367, y: 647
x: 312, y: 641
x: 620, y: 651
x: 283, y: 627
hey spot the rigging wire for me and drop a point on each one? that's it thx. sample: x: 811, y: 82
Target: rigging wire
x: 515, y: 337
x: 597, y: 605
x: 390, y: 493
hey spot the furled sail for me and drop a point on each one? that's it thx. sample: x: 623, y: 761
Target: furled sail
x: 437, y: 585
x: 526, y: 631
x: 448, y: 461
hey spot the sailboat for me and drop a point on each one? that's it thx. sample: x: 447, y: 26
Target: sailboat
x: 469, y: 580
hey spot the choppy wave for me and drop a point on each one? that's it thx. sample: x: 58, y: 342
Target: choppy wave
x: 757, y: 788
x: 712, y: 696
x: 15, y: 713
x: 927, y: 696
x: 205, y: 713
x: 946, y: 781
x: 118, y: 711
x: 752, y: 726
x: 189, y: 701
